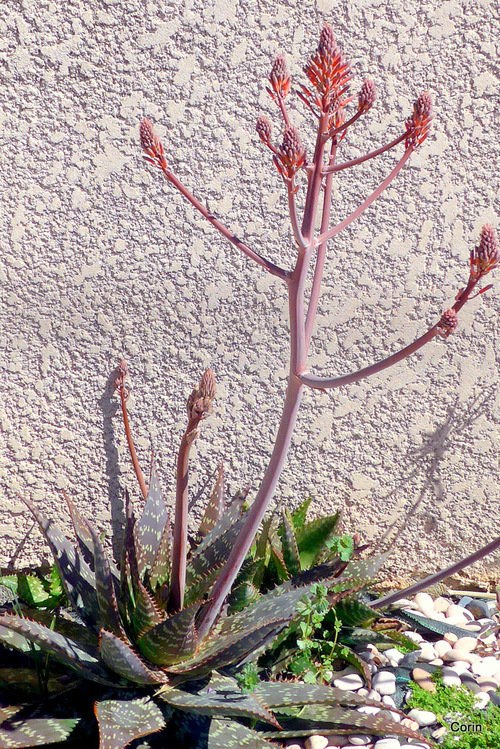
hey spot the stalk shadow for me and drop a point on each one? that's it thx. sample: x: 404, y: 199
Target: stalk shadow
x: 109, y: 406
x: 427, y: 458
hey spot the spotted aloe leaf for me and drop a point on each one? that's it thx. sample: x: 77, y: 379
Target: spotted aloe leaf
x: 105, y: 588
x: 160, y: 570
x: 81, y: 658
x: 277, y: 695
x: 327, y: 718
x: 121, y: 658
x: 148, y: 531
x: 289, y: 544
x: 19, y: 732
x: 365, y: 569
x: 172, y: 640
x: 349, y: 655
x: 82, y: 532
x: 122, y: 721
x: 205, y: 732
x: 220, y: 696
x: 312, y: 538
x: 78, y: 578
x: 210, y: 555
x: 229, y: 649
x: 146, y: 613
x: 215, y: 505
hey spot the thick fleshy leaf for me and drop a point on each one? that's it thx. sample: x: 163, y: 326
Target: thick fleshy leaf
x: 173, y: 639
x: 345, y: 653
x: 220, y: 696
x: 146, y: 613
x: 105, y: 588
x: 327, y: 718
x: 121, y: 659
x: 215, y: 505
x: 281, y: 694
x: 149, y: 530
x: 15, y: 734
x: 210, y: 556
x: 300, y: 513
x: 364, y: 569
x: 423, y: 624
x: 354, y: 613
x: 312, y: 538
x: 121, y: 721
x: 78, y: 578
x: 229, y: 649
x: 82, y: 532
x: 289, y: 544
x: 82, y: 659
x: 160, y: 570
x: 204, y: 732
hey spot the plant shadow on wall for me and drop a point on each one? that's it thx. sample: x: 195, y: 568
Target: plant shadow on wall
x: 163, y: 632
x: 426, y: 461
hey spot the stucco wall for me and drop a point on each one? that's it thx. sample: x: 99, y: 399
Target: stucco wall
x: 101, y: 259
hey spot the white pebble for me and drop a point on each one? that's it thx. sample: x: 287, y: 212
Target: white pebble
x: 316, y: 742
x: 388, y: 701
x: 496, y: 676
x: 374, y: 695
x: 359, y: 740
x: 422, y: 717
x: 387, y: 744
x: 384, y: 682
x: 394, y: 655
x: 455, y: 610
x: 436, y: 662
x: 441, y: 604
x: 486, y: 666
x: 349, y: 682
x: 414, y: 746
x: 441, y: 647
x: 481, y: 699
x: 369, y: 710
x: 487, y: 683
x: 424, y: 602
x: 450, y: 677
x: 415, y: 636
x: 427, y: 652
x: 396, y: 717
x: 294, y: 746
x: 363, y: 692
x: 460, y: 655
x: 460, y: 667
x: 450, y: 637
x: 468, y: 644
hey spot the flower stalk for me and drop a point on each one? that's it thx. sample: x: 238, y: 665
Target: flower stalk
x: 327, y: 96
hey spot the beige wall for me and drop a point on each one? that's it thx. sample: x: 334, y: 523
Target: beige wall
x: 101, y: 260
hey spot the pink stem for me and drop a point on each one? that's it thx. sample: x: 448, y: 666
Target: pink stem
x: 314, y: 185
x: 320, y: 257
x: 380, y: 189
x: 361, y: 159
x: 293, y: 215
x: 179, y: 549
x: 270, y: 267
x: 281, y: 104
x: 336, y: 130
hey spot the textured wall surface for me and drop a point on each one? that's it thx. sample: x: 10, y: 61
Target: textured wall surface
x: 101, y: 259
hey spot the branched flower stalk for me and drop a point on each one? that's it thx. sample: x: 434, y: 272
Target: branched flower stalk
x: 327, y: 97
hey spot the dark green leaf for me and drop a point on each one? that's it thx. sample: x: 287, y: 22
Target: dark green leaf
x: 364, y: 569
x: 220, y: 696
x: 282, y: 694
x: 299, y: 515
x: 105, y: 590
x: 173, y: 639
x: 312, y: 538
x: 289, y: 545
x: 353, y: 613
x: 346, y: 654
x: 124, y: 661
x: 203, y: 732
x: 160, y: 570
x: 82, y: 532
x: 15, y: 734
x: 146, y: 613
x: 122, y: 721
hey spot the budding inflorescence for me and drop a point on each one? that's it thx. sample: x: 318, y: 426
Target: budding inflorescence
x: 485, y: 256
x: 151, y: 144
x: 367, y: 95
x: 200, y: 400
x: 328, y: 73
x: 291, y: 155
x: 418, y: 124
x: 279, y: 79
x: 264, y: 130
x: 448, y: 323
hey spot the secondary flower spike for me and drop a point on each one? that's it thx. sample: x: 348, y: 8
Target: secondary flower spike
x: 292, y: 153
x: 485, y: 256
x: 328, y: 73
x: 264, y: 130
x: 279, y: 78
x: 200, y: 400
x: 151, y: 143
x: 418, y: 125
x: 367, y: 95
